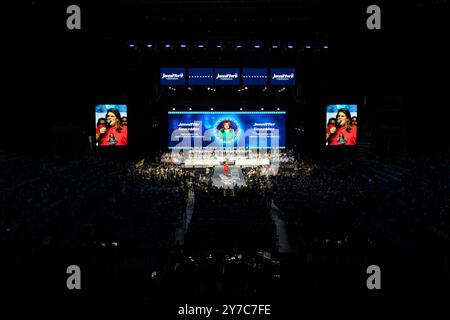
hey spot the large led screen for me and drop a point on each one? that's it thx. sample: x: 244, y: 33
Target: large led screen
x: 111, y: 125
x: 217, y: 129
x: 341, y: 125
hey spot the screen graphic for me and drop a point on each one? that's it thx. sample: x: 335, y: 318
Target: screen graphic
x: 217, y: 129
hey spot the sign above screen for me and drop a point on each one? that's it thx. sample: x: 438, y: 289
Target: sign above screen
x: 201, y: 76
x: 227, y: 76
x: 172, y: 76
x: 282, y: 76
x: 254, y: 76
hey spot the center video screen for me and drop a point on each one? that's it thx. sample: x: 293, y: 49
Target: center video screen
x: 216, y: 129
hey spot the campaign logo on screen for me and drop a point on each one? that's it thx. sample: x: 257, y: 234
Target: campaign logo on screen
x: 227, y: 76
x: 254, y: 76
x: 172, y: 76
x: 282, y: 76
x: 201, y: 76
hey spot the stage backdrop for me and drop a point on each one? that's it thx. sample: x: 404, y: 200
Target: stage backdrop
x: 217, y: 129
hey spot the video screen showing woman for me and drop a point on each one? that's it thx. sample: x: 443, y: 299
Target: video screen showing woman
x: 111, y: 125
x: 341, y: 127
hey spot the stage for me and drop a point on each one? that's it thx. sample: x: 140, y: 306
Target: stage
x: 241, y: 162
x: 234, y: 178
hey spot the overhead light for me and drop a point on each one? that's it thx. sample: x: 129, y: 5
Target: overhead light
x: 290, y: 46
x: 308, y: 47
x: 131, y: 45
x: 149, y: 45
x: 182, y: 46
x: 274, y: 46
x: 201, y: 46
x: 173, y: 108
x: 257, y: 46
x: 167, y: 46
x: 219, y: 46
x: 325, y: 47
x: 238, y: 46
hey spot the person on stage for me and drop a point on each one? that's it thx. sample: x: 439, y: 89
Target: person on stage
x: 225, y: 169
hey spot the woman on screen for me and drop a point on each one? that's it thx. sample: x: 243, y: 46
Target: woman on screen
x: 344, y: 133
x: 227, y: 132
x: 114, y: 133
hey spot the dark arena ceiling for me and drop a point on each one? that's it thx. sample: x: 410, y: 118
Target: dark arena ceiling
x: 336, y: 56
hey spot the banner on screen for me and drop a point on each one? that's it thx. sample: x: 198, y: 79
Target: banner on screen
x: 172, y: 76
x: 111, y: 123
x: 217, y: 129
x: 341, y: 125
x: 282, y: 76
x: 254, y: 76
x: 227, y: 76
x: 201, y: 76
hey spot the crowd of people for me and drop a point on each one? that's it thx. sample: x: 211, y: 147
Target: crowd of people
x: 123, y: 217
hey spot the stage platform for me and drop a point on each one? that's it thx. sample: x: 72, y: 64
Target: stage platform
x: 201, y: 163
x: 235, y: 177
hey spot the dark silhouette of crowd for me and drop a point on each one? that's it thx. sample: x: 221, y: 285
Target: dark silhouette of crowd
x: 122, y: 220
